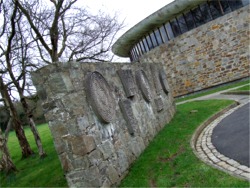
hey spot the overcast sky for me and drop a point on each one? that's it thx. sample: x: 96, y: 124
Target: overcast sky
x: 132, y: 11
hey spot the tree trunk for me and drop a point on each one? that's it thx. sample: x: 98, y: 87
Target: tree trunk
x: 42, y: 153
x: 23, y: 142
x: 32, y: 124
x: 6, y: 163
x: 17, y: 125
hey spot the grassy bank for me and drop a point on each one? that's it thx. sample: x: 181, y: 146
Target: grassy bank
x: 167, y: 162
x: 244, y: 88
x: 34, y: 172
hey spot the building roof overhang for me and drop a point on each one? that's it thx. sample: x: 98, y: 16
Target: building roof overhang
x: 124, y: 44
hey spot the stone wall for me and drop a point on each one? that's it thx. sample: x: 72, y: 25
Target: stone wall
x: 212, y: 54
x: 102, y: 116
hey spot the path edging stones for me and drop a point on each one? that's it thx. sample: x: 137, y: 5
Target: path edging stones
x: 203, y: 148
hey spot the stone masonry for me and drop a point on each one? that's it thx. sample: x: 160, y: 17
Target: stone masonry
x: 212, y: 54
x: 103, y: 115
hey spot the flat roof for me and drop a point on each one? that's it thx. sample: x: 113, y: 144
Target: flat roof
x: 125, y: 43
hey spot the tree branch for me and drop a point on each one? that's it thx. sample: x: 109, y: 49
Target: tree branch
x: 25, y: 12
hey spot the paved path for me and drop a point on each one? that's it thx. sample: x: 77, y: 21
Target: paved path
x: 207, y: 152
x: 231, y: 135
x: 243, y: 99
x: 224, y: 143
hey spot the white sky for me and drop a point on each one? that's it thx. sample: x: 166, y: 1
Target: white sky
x: 132, y: 11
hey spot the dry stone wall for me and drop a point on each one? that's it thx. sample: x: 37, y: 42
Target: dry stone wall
x: 212, y: 54
x: 103, y: 115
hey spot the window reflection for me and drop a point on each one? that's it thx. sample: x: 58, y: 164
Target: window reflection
x: 225, y: 7
x: 202, y: 14
x: 175, y: 27
x: 235, y: 4
x: 198, y: 18
x: 153, y: 39
x: 142, y: 47
x: 145, y: 44
x: 205, y: 12
x: 215, y: 9
x: 158, y: 37
x: 137, y: 52
x: 182, y: 24
x: 164, y: 34
x: 169, y: 30
x: 189, y: 20
x: 245, y: 2
x: 150, y: 45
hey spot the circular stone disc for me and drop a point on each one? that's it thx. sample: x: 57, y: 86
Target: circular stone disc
x: 164, y: 82
x: 143, y: 85
x: 100, y: 97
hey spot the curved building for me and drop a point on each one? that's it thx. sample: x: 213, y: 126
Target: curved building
x: 202, y: 43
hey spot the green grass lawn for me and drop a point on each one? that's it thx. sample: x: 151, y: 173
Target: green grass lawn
x: 167, y: 162
x: 244, y: 88
x: 221, y: 88
x: 33, y: 171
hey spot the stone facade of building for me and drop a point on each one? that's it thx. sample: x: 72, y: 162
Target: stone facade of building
x: 102, y: 116
x: 209, y: 55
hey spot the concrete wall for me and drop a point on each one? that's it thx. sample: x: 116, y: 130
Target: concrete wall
x: 212, y: 54
x: 102, y: 116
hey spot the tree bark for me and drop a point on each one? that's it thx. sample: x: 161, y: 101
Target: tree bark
x: 17, y: 125
x: 33, y: 128
x: 6, y: 163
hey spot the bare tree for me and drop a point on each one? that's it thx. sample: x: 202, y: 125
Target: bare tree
x: 65, y: 32
x: 6, y: 163
x: 16, y: 61
x: 17, y: 125
x: 55, y: 32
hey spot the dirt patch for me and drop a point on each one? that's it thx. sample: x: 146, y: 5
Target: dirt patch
x: 172, y: 157
x: 152, y: 183
x: 237, y: 93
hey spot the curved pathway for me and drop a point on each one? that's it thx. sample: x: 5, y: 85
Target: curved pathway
x: 227, y: 150
x: 231, y: 136
x: 207, y: 152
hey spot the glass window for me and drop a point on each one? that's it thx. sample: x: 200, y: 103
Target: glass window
x: 150, y: 45
x: 225, y: 6
x: 189, y: 20
x: 145, y: 44
x: 169, y: 30
x: 175, y: 27
x: 245, y: 2
x: 131, y: 55
x: 198, y: 18
x: 152, y: 36
x: 158, y: 36
x: 215, y: 9
x: 182, y: 24
x: 134, y: 54
x: 235, y: 4
x: 205, y: 12
x: 164, y: 34
x: 142, y: 47
x: 139, y: 49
